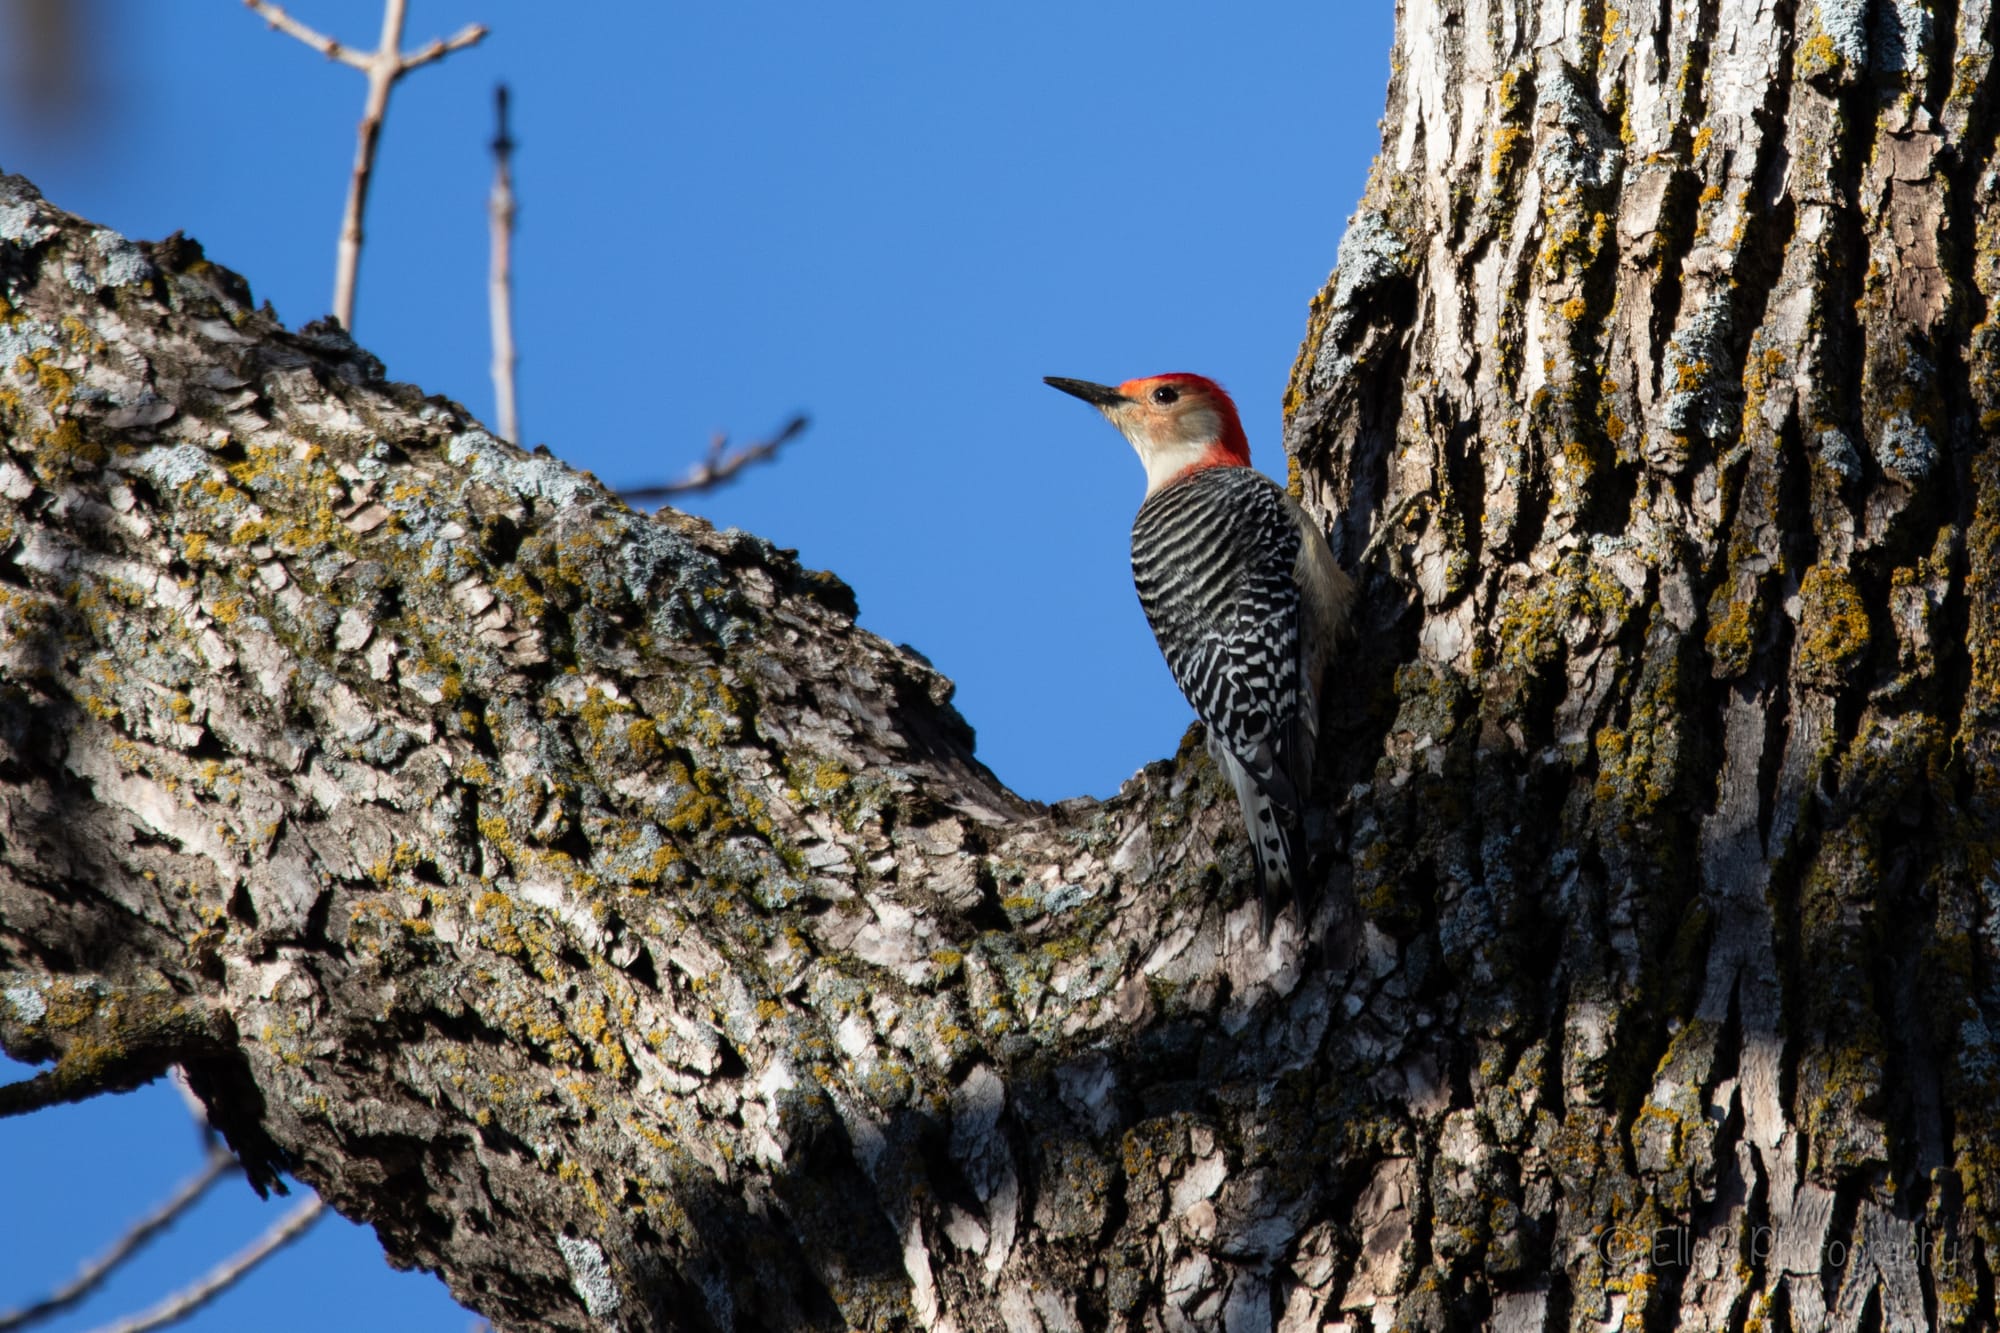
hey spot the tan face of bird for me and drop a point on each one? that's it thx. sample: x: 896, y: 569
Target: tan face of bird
x: 1176, y: 423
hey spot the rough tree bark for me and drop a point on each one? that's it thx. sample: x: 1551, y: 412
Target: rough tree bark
x: 1687, y: 809
x: 580, y: 898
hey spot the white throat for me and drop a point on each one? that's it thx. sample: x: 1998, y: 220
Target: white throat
x: 1165, y: 460
x: 1169, y: 447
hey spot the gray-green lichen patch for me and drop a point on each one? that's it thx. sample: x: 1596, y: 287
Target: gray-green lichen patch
x: 1900, y: 37
x: 1703, y: 397
x: 1372, y: 255
x: 121, y: 264
x: 1845, y: 23
x: 21, y: 339
x: 1584, y: 155
x: 1905, y: 448
x: 27, y: 1003
x: 591, y: 1276
x: 1836, y: 449
x: 25, y: 221
x: 532, y: 476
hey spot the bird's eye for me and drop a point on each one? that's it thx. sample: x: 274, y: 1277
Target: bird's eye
x: 1166, y: 395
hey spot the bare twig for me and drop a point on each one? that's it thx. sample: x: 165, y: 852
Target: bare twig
x: 318, y: 41
x: 500, y: 280
x: 92, y: 1275
x: 383, y: 66
x: 224, y: 1275
x: 721, y: 464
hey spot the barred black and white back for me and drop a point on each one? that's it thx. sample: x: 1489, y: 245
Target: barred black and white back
x: 1245, y: 600
x: 1243, y: 594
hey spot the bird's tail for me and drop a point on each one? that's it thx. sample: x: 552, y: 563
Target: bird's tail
x: 1277, y: 841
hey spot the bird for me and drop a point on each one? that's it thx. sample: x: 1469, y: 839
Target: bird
x: 1244, y: 597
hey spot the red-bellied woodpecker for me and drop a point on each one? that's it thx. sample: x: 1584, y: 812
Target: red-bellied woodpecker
x: 1243, y: 596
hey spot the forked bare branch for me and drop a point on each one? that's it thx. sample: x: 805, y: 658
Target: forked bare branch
x: 387, y: 63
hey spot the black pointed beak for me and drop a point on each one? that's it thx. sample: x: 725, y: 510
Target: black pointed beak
x: 1098, y: 395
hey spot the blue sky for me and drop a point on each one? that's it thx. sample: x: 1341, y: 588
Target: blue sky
x: 894, y: 217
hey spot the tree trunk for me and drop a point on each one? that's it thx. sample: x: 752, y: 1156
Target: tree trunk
x: 579, y: 897
x: 1682, y: 804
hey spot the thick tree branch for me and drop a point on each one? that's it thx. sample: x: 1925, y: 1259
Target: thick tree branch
x: 103, y: 1037
x: 502, y: 821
